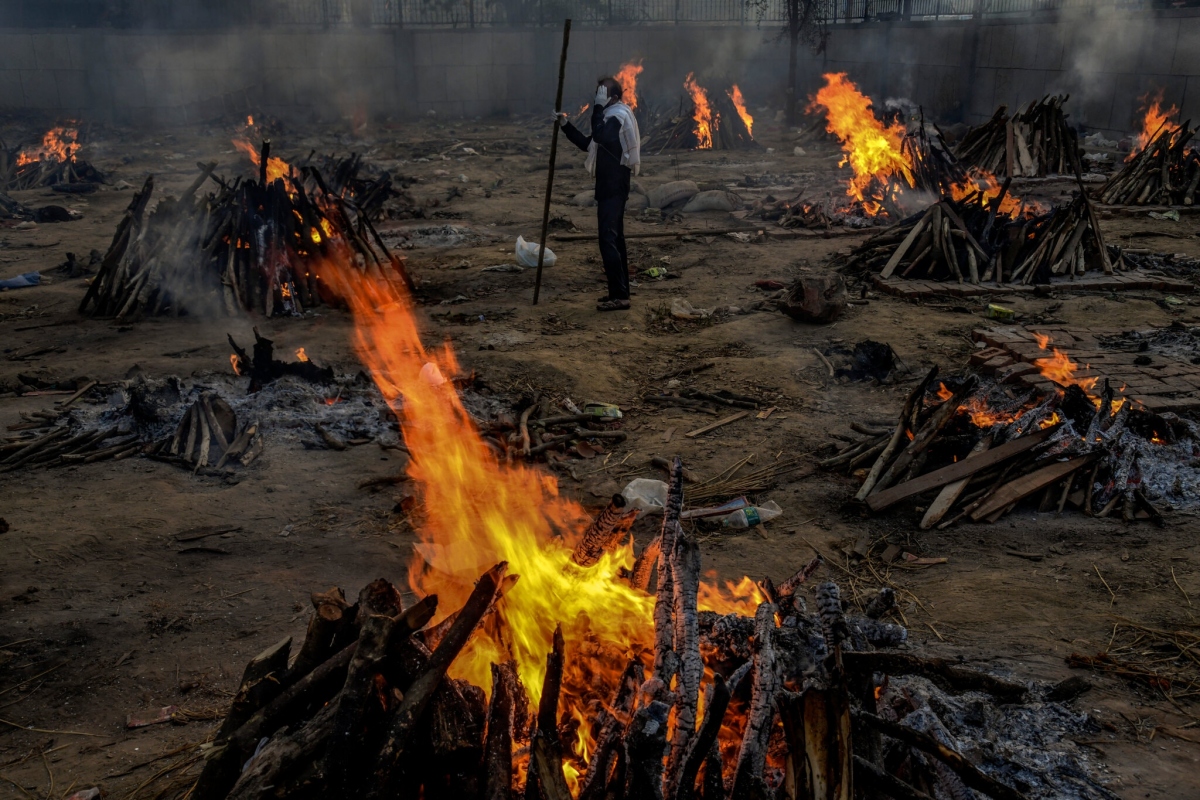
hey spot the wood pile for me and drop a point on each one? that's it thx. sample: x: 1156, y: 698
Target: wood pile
x: 971, y: 451
x: 253, y: 245
x: 678, y: 131
x: 54, y: 165
x: 208, y: 436
x: 1034, y: 143
x: 370, y: 191
x: 49, y: 439
x: 968, y: 241
x: 365, y: 708
x: 1164, y: 172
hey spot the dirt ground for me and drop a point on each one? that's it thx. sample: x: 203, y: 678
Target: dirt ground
x: 101, y: 616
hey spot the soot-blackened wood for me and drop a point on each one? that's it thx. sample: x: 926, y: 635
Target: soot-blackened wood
x: 828, y: 743
x: 403, y: 724
x: 793, y: 584
x: 378, y: 598
x: 645, y: 746
x: 944, y: 673
x: 643, y: 567
x: 547, y: 765
x: 922, y: 741
x: 922, y: 438
x: 282, y: 761
x: 497, y: 758
x: 341, y: 770
x: 612, y: 732
x: 329, y: 611
x: 605, y: 532
x: 223, y: 766
x: 456, y: 723
x: 898, y: 435
x: 664, y: 604
x: 547, y: 721
x: 715, y: 704
x: 713, y: 785
x: 685, y: 566
x: 748, y: 780
x: 260, y: 684
x: 264, y: 368
x: 869, y: 777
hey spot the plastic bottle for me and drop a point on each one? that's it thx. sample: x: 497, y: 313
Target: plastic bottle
x: 753, y: 515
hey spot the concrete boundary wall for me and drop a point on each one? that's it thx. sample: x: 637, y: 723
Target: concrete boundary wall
x: 956, y: 70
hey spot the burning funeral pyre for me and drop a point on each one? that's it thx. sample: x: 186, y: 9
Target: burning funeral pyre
x: 1163, y: 169
x: 1033, y: 143
x: 977, y: 445
x: 705, y: 121
x: 256, y: 244
x: 54, y: 163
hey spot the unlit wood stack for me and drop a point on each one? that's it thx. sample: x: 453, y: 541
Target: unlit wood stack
x: 253, y: 245
x: 1164, y: 172
x: 1035, y: 142
x: 969, y: 241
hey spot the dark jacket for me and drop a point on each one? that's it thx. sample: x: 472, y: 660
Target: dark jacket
x: 612, y: 178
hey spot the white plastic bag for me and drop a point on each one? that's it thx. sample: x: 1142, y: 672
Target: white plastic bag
x: 646, y: 495
x: 682, y: 309
x: 527, y: 254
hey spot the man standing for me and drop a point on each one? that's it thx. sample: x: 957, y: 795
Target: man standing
x: 613, y: 156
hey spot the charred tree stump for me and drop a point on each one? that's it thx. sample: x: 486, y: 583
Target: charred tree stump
x: 818, y: 300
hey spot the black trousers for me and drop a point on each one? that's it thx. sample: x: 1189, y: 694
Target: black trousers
x: 610, y: 214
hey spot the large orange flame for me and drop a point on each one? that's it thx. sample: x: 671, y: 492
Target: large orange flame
x: 58, y: 145
x: 702, y: 113
x: 739, y: 102
x: 276, y: 167
x: 1155, y: 120
x: 871, y: 149
x: 478, y: 511
x: 627, y: 76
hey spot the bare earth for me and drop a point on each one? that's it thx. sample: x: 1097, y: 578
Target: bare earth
x: 104, y: 617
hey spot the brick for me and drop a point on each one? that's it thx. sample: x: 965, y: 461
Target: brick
x: 1013, y: 372
x: 999, y: 362
x: 986, y: 354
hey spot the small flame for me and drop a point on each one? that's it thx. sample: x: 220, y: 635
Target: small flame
x: 627, y: 76
x: 276, y: 167
x: 249, y: 120
x: 1061, y: 369
x: 58, y: 145
x: 702, y: 114
x: 1155, y: 119
x: 301, y: 355
x: 739, y: 102
x: 236, y: 363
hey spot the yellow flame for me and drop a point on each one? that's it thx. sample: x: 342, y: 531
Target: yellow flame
x: 1155, y: 119
x: 58, y: 145
x: 301, y: 355
x: 627, y: 76
x: 739, y: 102
x: 702, y: 113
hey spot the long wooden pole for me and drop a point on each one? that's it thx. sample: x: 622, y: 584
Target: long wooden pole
x: 562, y: 72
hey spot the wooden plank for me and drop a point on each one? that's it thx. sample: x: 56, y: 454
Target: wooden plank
x: 900, y: 251
x: 963, y: 469
x: 952, y: 491
x: 714, y: 425
x: 1026, y: 485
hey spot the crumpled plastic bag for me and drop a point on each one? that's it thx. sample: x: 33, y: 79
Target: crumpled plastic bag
x: 1171, y: 215
x: 646, y: 495
x: 527, y: 254
x: 21, y: 281
x: 682, y: 309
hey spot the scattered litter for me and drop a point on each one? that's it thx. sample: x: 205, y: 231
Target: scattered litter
x: 646, y: 495
x: 21, y: 281
x: 1171, y: 215
x: 799, y: 151
x: 527, y: 254
x: 87, y: 794
x: 604, y: 410
x: 682, y: 309
x: 155, y: 716
x: 753, y: 515
x: 716, y: 511
x: 1000, y: 312
x: 503, y: 268
x: 657, y: 273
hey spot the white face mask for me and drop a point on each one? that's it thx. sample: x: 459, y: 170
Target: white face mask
x: 601, y: 95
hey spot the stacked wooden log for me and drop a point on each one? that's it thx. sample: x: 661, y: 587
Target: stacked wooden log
x: 49, y: 439
x: 1164, y: 172
x: 365, y: 708
x: 678, y: 131
x: 973, y: 452
x: 970, y: 242
x: 253, y: 245
x: 370, y: 191
x: 1033, y: 143
x: 208, y: 435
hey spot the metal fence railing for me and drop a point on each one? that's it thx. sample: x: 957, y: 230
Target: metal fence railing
x: 193, y: 14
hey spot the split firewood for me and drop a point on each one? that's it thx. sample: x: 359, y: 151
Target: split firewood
x: 612, y: 730
x: 923, y: 437
x: 897, y: 436
x: 716, y: 701
x: 605, y: 533
x: 260, y: 684
x: 685, y: 570
x: 748, y: 780
x: 402, y: 726
x: 944, y: 673
x: 498, y: 749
